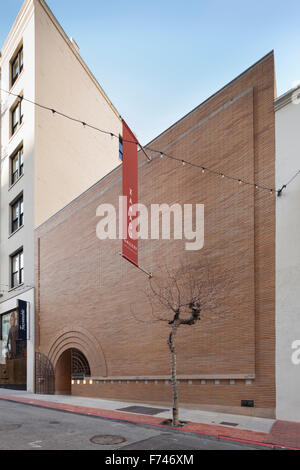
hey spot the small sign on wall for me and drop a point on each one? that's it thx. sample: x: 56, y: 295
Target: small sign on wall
x: 22, y: 323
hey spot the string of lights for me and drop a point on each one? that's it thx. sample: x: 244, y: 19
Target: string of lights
x: 204, y: 169
x: 279, y: 191
x: 83, y: 123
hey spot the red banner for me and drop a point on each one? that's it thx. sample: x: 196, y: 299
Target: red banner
x: 130, y: 194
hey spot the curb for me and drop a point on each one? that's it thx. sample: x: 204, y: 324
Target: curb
x: 206, y: 429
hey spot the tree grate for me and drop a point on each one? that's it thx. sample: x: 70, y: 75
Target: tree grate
x: 225, y: 423
x: 144, y: 410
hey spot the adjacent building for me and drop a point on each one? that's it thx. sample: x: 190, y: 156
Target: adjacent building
x: 287, y: 119
x: 46, y: 161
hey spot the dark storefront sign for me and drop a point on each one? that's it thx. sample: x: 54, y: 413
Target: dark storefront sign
x: 22, y: 307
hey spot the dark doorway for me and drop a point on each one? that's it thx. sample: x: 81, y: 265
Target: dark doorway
x: 71, y: 365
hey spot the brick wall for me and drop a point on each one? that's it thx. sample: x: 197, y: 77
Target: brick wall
x: 91, y: 299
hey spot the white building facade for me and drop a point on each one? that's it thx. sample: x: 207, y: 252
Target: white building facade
x: 46, y: 160
x: 287, y: 119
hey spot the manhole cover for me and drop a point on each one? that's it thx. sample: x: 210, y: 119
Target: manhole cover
x: 107, y: 440
x: 9, y: 427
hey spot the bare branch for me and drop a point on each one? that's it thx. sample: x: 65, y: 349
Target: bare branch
x: 184, y: 296
x: 154, y: 320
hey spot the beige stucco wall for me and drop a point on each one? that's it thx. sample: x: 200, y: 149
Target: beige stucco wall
x: 25, y: 134
x: 22, y: 31
x: 69, y: 157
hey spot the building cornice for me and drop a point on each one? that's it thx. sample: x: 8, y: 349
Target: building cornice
x: 68, y: 41
x: 286, y: 98
x: 20, y: 22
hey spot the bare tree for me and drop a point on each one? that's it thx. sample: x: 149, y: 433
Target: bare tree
x: 184, y: 297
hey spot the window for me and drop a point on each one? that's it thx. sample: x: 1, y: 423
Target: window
x: 16, y: 66
x: 16, y: 116
x: 17, y: 214
x: 9, y: 326
x: 17, y: 166
x: 17, y: 269
x: 121, y: 148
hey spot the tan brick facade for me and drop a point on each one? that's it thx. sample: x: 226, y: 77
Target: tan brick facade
x: 86, y: 291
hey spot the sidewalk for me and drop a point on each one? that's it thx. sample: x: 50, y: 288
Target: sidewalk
x: 262, y: 431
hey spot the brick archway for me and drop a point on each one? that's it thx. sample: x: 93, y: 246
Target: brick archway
x: 84, y: 341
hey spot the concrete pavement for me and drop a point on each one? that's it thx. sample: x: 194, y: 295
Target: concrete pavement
x: 263, y: 431
x: 24, y: 427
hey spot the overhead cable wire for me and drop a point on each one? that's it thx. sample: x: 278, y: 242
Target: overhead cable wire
x: 162, y: 154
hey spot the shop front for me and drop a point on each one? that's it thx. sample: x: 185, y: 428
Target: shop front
x: 13, y: 347
x: 15, y: 343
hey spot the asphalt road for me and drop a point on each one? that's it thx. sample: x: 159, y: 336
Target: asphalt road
x: 24, y: 427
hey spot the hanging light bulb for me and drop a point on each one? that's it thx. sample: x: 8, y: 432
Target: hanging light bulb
x: 203, y: 170
x: 183, y: 162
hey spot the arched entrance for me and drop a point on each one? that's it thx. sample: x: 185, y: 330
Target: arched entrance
x: 72, y: 364
x: 82, y: 340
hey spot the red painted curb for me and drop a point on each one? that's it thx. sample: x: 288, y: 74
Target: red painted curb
x: 260, y: 443
x: 153, y: 421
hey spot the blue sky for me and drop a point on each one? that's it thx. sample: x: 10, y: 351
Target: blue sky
x: 157, y: 60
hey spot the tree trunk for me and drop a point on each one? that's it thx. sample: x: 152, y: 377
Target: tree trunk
x: 172, y: 347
